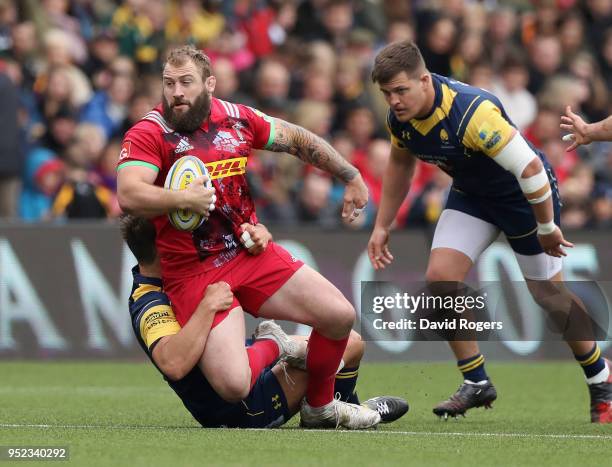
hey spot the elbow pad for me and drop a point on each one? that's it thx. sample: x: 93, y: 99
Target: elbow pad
x: 514, y: 157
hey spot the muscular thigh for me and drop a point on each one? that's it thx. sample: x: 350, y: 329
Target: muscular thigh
x: 458, y: 241
x: 307, y: 297
x: 225, y: 358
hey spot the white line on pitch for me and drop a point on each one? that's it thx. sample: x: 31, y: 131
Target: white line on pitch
x: 371, y: 432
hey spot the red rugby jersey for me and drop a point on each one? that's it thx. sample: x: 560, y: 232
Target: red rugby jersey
x: 223, y: 142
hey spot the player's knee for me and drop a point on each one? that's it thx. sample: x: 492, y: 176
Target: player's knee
x: 435, y: 274
x: 553, y: 302
x: 234, y: 389
x: 345, y: 316
x: 336, y: 320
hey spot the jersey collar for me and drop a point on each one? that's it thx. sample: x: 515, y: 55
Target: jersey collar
x: 437, y: 98
x: 140, y: 279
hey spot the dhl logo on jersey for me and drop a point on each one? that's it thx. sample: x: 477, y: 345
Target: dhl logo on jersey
x: 227, y: 167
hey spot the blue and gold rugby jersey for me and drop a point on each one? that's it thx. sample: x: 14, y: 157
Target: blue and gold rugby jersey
x: 466, y: 128
x: 152, y: 318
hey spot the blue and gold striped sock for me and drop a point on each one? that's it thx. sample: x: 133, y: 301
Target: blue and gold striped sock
x: 473, y: 368
x: 592, y: 362
x: 346, y: 380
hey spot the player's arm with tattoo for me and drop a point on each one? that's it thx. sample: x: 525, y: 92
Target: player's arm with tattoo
x: 315, y: 151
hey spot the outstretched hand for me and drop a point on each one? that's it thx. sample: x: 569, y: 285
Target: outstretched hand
x: 378, y: 248
x: 576, y: 127
x: 553, y: 243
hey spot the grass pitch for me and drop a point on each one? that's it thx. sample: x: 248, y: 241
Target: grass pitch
x: 115, y: 414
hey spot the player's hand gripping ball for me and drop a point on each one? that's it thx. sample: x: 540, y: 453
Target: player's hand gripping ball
x: 182, y: 173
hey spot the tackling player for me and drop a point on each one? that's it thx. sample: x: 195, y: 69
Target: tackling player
x: 271, y: 285
x: 500, y: 184
x: 176, y: 351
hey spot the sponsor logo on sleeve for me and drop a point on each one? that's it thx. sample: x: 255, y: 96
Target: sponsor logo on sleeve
x: 125, y: 150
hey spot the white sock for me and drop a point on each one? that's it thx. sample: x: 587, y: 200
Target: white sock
x: 467, y: 381
x: 600, y: 377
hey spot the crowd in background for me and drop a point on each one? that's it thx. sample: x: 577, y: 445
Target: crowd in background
x: 75, y: 75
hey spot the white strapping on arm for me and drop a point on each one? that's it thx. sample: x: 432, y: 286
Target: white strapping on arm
x: 517, y: 155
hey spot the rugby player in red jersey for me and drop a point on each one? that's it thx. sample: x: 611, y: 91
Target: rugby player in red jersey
x: 273, y: 284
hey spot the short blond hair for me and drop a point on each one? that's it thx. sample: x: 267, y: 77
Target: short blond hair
x: 179, y: 55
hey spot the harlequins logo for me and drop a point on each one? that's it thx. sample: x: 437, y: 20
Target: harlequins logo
x: 225, y: 141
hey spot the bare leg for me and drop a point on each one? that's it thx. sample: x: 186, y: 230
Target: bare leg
x: 449, y: 265
x: 554, y: 297
x: 225, y: 362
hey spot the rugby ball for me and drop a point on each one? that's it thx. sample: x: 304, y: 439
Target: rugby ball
x: 182, y: 173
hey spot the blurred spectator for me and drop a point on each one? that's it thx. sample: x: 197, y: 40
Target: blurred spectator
x: 605, y: 55
x: 230, y: 44
x: 469, y: 52
x: 307, y: 61
x: 60, y: 130
x: 350, y: 89
x: 313, y: 204
x: 51, y: 16
x: 563, y: 89
x: 571, y: 35
x: 400, y: 31
x: 372, y: 173
x: 228, y: 83
x: 133, y: 26
x: 481, y: 75
x: 314, y: 116
x: 109, y: 108
x: 318, y: 87
x: 361, y: 128
x: 437, y: 49
x: 542, y: 21
x: 499, y: 37
x: 271, y: 82
x: 11, y: 157
x: 545, y: 127
x: 545, y: 54
x: 599, y: 16
x: 58, y: 93
x: 82, y: 195
x: 263, y: 26
x: 57, y: 55
x: 337, y: 19
x: 585, y: 69
x: 103, y: 49
x: 25, y: 51
x: 562, y: 161
x: 430, y: 202
x: 8, y: 18
x: 43, y: 175
x: 189, y: 22
x: 511, y: 89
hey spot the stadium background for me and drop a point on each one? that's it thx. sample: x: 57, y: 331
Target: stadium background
x: 74, y: 75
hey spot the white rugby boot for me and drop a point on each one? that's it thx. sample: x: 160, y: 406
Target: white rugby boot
x: 289, y: 350
x: 338, y: 413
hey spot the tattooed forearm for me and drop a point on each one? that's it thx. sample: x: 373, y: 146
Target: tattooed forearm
x: 311, y: 149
